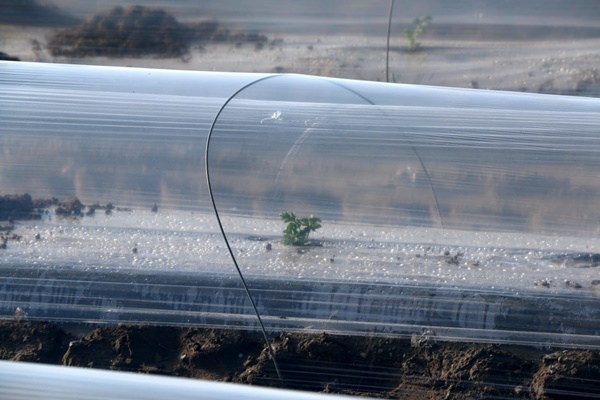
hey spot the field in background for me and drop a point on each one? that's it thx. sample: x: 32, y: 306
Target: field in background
x: 542, y: 46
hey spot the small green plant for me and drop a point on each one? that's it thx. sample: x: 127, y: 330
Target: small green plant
x: 412, y: 33
x: 297, y: 230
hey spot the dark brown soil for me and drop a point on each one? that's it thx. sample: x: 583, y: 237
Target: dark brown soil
x: 418, y: 368
x: 142, y: 31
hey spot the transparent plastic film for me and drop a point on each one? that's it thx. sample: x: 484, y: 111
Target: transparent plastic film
x: 103, y: 198
x: 396, y: 199
x: 128, y: 136
x: 463, y: 213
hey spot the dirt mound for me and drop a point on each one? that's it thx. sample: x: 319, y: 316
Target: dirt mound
x: 22, y: 207
x: 33, y: 342
x: 135, y: 31
x: 474, y: 371
x: 568, y: 375
x: 69, y: 207
x: 7, y: 57
x: 375, y: 366
x: 17, y: 207
x: 330, y: 363
x: 139, y: 32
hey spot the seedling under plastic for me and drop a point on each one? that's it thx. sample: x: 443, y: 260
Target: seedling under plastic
x: 297, y: 229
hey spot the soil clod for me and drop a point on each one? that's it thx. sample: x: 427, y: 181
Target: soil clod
x: 364, y: 366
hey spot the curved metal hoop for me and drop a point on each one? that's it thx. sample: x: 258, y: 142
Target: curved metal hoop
x: 212, y: 199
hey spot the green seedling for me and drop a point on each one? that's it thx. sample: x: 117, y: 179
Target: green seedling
x: 297, y: 230
x: 412, y: 33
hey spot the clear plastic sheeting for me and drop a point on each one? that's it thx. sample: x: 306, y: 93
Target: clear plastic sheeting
x: 124, y: 148
x: 466, y: 214
x: 53, y: 382
x: 122, y: 135
x: 473, y: 209
x: 409, y: 156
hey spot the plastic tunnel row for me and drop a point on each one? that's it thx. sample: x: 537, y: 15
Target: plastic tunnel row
x: 469, y: 213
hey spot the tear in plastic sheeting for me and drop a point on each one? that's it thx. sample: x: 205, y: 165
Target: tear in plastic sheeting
x: 470, y: 214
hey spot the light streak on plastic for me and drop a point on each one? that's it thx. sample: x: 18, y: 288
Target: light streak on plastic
x: 515, y: 176
x: 25, y: 381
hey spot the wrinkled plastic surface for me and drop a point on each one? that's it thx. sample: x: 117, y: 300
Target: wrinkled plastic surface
x: 460, y: 206
x: 469, y: 213
x: 122, y: 135
x: 406, y: 156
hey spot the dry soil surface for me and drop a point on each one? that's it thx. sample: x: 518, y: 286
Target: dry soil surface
x: 416, y: 368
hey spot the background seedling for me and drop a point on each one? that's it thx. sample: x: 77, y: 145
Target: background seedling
x: 412, y: 33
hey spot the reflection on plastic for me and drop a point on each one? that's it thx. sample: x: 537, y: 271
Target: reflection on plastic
x: 410, y: 156
x: 25, y: 381
x: 463, y: 211
x: 123, y: 135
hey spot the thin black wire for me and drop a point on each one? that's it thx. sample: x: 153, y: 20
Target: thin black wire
x: 212, y: 199
x: 387, y: 47
x: 387, y: 79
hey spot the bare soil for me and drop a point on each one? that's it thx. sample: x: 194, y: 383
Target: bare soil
x: 417, y: 368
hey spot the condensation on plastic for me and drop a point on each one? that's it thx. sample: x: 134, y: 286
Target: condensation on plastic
x: 462, y: 213
x: 459, y: 204
x: 410, y: 156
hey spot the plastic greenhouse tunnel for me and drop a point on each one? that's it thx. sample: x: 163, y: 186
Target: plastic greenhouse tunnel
x: 444, y: 214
